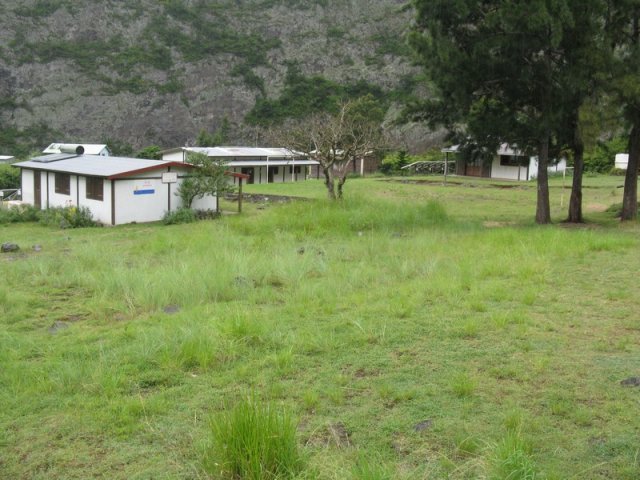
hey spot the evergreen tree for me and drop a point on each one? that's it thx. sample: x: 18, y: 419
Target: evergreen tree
x: 624, y: 28
x: 507, y: 72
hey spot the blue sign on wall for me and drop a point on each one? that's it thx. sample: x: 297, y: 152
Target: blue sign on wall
x: 144, y: 192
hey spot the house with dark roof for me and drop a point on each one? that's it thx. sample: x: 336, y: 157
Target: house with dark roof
x: 116, y: 190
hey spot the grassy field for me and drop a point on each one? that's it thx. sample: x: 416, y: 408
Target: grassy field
x: 413, y: 331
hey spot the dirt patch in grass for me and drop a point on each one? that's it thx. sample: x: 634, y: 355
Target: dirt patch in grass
x: 492, y: 224
x: 459, y: 183
x: 334, y: 434
x: 596, y: 207
x: 262, y: 198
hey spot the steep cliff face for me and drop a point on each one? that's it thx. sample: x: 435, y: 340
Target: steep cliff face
x: 158, y: 72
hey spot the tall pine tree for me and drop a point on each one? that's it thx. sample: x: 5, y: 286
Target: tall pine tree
x: 624, y: 27
x: 507, y: 72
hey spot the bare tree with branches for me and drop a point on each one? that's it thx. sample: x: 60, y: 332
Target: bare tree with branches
x: 336, y: 140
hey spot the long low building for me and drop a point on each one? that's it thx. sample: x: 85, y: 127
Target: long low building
x: 263, y: 165
x: 116, y: 190
x: 507, y: 164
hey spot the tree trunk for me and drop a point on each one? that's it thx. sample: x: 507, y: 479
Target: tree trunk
x: 341, y: 181
x: 329, y: 181
x: 630, y: 196
x: 575, y: 203
x: 543, y: 210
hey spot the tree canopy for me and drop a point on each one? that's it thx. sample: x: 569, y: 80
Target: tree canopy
x: 207, y: 178
x: 337, y: 139
x: 514, y: 72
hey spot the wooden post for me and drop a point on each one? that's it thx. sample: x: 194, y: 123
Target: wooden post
x: 446, y: 166
x: 240, y: 197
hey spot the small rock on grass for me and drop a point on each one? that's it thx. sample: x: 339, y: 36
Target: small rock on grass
x: 9, y: 247
x: 37, y: 248
x: 631, y: 382
x: 57, y: 326
x: 424, y: 425
x: 170, y: 309
x: 340, y: 435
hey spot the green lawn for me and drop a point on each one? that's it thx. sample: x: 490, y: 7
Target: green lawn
x: 414, y: 331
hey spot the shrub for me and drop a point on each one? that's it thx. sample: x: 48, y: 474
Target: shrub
x: 9, y: 177
x: 206, y: 214
x: 601, y: 157
x: 68, y: 217
x: 617, y: 172
x: 616, y: 209
x: 19, y: 214
x: 392, y: 163
x: 182, y: 215
x: 253, y: 441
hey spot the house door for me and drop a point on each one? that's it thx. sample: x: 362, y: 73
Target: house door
x: 271, y: 173
x: 474, y: 170
x: 37, y: 190
x: 248, y: 171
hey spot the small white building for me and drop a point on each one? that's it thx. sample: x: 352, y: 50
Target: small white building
x: 6, y: 158
x: 622, y: 161
x: 117, y: 190
x: 79, y: 148
x: 263, y: 165
x: 507, y: 164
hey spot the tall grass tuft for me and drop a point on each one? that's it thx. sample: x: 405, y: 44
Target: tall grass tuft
x: 353, y: 215
x: 512, y: 460
x: 371, y: 469
x: 253, y: 441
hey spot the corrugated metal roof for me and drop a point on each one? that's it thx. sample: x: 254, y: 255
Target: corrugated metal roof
x: 97, y: 166
x: 89, y: 149
x: 504, y: 149
x: 240, y: 151
x: 271, y: 163
x: 54, y: 157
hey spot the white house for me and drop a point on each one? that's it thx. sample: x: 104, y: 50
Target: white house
x: 507, y: 164
x: 6, y: 159
x: 622, y: 161
x: 79, y: 148
x: 263, y: 165
x: 117, y: 190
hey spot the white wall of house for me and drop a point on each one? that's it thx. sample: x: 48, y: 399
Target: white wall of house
x: 174, y: 156
x: 507, y: 172
x: 205, y: 203
x: 144, y: 198
x: 560, y: 167
x: 283, y: 175
x: 101, y: 210
x: 140, y: 200
x: 60, y: 199
x: 622, y: 161
x: 149, y: 204
x: 27, y: 186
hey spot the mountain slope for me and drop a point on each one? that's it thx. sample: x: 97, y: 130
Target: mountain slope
x: 149, y: 72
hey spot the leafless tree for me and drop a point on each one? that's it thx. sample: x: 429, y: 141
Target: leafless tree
x: 335, y: 140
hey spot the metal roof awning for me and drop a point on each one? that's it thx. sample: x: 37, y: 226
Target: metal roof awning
x: 271, y: 163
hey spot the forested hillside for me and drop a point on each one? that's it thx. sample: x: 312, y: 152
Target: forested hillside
x: 158, y: 72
